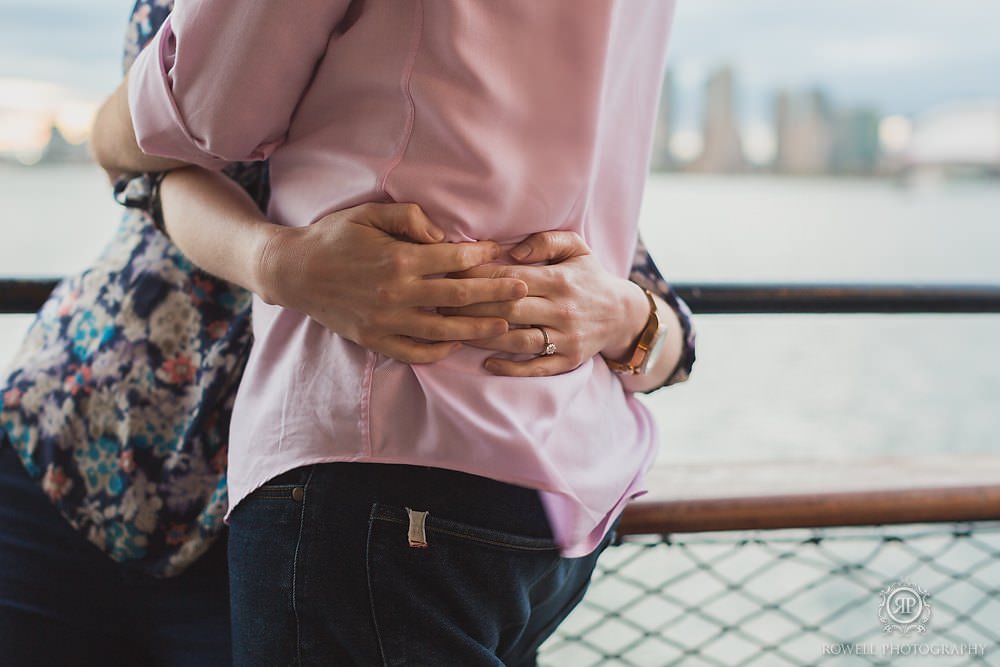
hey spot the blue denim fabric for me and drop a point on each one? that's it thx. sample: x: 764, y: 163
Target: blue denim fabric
x: 64, y: 602
x: 323, y: 572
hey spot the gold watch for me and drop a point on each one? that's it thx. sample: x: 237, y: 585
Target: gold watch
x: 647, y: 347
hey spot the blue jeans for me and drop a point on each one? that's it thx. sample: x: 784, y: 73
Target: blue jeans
x: 323, y: 571
x: 65, y: 602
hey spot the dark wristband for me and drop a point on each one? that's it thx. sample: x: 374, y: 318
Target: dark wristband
x: 142, y: 191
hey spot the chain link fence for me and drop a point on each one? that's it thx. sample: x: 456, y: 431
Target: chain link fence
x: 789, y: 597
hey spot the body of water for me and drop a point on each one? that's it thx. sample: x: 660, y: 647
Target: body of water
x: 765, y: 386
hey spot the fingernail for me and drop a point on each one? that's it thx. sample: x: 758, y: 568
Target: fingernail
x: 437, y: 235
x: 490, y: 365
x: 520, y: 291
x: 520, y: 252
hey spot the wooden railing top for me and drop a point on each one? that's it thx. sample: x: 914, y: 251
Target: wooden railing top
x: 803, y: 494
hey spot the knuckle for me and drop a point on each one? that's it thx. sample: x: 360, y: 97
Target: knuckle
x: 460, y: 295
x: 436, y: 331
x: 411, y: 211
x: 385, y: 295
x: 567, y: 312
x: 399, y: 260
x: 466, y: 256
x: 507, y: 286
x: 511, y: 273
x: 561, y: 281
x: 482, y: 330
x: 545, y: 242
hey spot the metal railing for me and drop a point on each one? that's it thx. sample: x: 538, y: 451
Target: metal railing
x: 788, y: 597
x: 789, y: 563
x: 25, y: 295
x: 783, y: 564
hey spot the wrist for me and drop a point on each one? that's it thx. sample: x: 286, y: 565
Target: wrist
x: 631, y: 320
x: 661, y: 366
x: 271, y: 250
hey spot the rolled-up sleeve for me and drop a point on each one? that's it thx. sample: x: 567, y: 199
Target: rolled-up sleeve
x: 221, y: 80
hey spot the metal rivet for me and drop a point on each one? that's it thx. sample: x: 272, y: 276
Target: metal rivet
x: 298, y: 493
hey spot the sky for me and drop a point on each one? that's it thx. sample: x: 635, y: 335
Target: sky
x: 61, y: 57
x: 900, y: 56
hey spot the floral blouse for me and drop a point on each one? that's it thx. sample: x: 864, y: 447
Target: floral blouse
x: 118, y: 401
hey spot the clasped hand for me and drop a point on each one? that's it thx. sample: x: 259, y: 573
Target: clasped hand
x: 380, y: 276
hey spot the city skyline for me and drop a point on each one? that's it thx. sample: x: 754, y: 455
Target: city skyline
x: 807, y: 132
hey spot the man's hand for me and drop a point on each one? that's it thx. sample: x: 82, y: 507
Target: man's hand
x: 368, y: 273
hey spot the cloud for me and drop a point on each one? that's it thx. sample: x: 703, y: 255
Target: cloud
x: 29, y: 109
x: 900, y: 55
x: 72, y: 43
x: 29, y: 95
x: 883, y: 52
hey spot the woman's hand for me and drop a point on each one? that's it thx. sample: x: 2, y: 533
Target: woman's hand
x: 584, y: 309
x: 353, y: 272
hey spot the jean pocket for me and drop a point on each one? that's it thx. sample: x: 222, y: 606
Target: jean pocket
x: 445, y: 592
x: 439, y: 528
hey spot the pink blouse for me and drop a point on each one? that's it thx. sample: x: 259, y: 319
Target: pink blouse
x: 500, y: 119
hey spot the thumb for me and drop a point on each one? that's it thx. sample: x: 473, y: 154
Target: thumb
x: 552, y: 246
x: 407, y: 221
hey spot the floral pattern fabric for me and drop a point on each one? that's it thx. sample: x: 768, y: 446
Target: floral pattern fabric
x: 118, y: 401
x: 645, y: 274
x: 119, y: 398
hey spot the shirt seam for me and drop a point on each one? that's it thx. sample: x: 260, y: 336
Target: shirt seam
x: 405, y: 85
x: 366, y: 400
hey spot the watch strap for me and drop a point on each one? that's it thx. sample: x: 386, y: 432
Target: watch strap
x: 634, y: 362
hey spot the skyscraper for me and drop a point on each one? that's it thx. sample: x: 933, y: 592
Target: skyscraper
x: 723, y: 150
x: 803, y: 127
x: 662, y: 159
x: 855, y: 147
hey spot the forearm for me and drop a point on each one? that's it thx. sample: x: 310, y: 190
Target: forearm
x: 217, y: 225
x: 350, y: 271
x: 113, y: 142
